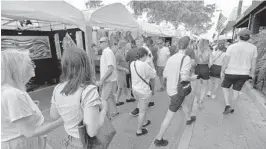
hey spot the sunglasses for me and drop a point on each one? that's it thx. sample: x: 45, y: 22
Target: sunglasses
x: 102, y: 41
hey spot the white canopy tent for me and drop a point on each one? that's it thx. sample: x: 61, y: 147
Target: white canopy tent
x: 149, y: 29
x: 44, y: 15
x: 113, y: 16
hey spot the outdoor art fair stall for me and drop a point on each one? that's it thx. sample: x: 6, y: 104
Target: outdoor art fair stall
x: 40, y: 26
x: 110, y: 17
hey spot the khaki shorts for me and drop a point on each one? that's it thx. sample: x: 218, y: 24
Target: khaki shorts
x: 26, y: 143
x: 108, y: 90
x: 121, y: 81
x: 143, y: 100
x: 160, y: 70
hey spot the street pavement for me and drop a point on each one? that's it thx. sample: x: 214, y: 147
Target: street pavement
x: 245, y: 129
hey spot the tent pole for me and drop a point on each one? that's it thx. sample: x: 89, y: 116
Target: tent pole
x: 89, y: 50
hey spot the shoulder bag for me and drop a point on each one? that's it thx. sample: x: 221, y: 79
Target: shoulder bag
x: 104, y: 137
x: 183, y: 87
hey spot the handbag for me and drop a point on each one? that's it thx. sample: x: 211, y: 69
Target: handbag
x: 104, y: 136
x: 141, y: 77
x: 215, y: 70
x: 183, y: 87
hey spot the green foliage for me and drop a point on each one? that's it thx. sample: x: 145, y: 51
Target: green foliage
x: 193, y: 14
x: 93, y: 3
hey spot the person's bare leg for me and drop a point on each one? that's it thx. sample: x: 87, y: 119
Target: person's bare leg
x: 226, y: 96
x: 142, y: 114
x: 217, y: 82
x: 235, y: 95
x: 112, y: 101
x: 118, y: 94
x: 165, y: 124
x: 210, y: 86
x: 203, y: 89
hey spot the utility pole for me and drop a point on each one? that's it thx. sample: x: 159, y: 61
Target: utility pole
x: 239, y: 9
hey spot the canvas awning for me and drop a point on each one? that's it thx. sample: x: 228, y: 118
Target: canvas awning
x: 150, y: 29
x: 44, y: 14
x: 114, y: 16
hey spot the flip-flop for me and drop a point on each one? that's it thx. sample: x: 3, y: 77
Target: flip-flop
x: 143, y: 132
x: 192, y: 119
x: 147, y: 124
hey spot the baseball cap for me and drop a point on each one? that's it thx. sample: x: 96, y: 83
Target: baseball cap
x: 244, y: 32
x: 104, y: 39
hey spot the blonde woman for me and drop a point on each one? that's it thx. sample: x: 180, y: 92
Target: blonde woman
x: 216, y: 61
x: 202, y: 69
x: 21, y: 119
x: 76, y: 98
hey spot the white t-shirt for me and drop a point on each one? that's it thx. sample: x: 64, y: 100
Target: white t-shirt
x: 108, y: 59
x: 172, y: 69
x: 163, y: 55
x: 241, y: 55
x: 16, y: 104
x: 69, y: 106
x: 149, y: 59
x: 146, y: 72
x: 217, y: 57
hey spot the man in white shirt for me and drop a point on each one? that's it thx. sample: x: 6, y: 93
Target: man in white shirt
x: 171, y: 74
x: 238, y: 66
x: 163, y: 54
x: 108, y: 74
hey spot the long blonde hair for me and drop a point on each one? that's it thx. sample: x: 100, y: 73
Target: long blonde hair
x: 13, y: 68
x: 203, y: 50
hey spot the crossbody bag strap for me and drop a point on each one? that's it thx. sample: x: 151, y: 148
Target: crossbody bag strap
x: 181, y: 64
x: 216, y: 58
x: 139, y: 75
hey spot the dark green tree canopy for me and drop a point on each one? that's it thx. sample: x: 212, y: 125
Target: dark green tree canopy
x: 194, y: 15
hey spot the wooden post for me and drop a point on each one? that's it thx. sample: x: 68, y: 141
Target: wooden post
x: 89, y: 50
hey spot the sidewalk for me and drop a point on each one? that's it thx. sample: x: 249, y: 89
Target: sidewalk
x: 244, y: 129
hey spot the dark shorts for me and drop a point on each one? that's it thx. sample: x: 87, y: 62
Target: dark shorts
x: 236, y: 80
x: 128, y: 80
x: 176, y: 102
x: 203, y: 71
x: 215, y: 71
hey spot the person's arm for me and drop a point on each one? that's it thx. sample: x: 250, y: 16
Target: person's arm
x: 24, y: 116
x: 111, y: 61
x: 185, y: 69
x: 151, y: 74
x: 94, y: 111
x: 226, y: 61
x: 27, y: 127
x: 253, y: 63
x: 168, y: 54
x: 53, y: 110
x: 210, y: 60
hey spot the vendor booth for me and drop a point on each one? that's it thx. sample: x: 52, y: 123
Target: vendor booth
x: 43, y: 25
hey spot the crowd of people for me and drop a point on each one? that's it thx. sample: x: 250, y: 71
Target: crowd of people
x: 129, y: 67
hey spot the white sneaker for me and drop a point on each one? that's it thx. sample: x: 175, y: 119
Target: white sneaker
x: 213, y: 96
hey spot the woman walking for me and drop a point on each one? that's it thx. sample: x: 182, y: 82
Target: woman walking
x: 216, y: 61
x: 202, y: 69
x: 141, y: 73
x: 22, y: 121
x: 76, y: 98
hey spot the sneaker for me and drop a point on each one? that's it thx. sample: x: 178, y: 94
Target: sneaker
x: 213, y: 96
x: 228, y: 110
x: 119, y: 103
x: 192, y: 119
x: 161, y: 142
x: 131, y: 100
x: 135, y: 112
x: 151, y: 104
x: 209, y: 94
x: 143, y: 132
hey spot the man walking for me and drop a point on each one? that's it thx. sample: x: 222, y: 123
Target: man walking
x: 238, y: 66
x: 108, y: 76
x: 163, y: 54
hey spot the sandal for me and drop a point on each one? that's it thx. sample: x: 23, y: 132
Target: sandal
x: 147, y: 124
x: 143, y: 132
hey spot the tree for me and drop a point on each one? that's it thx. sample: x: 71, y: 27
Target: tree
x: 93, y: 3
x: 194, y: 15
